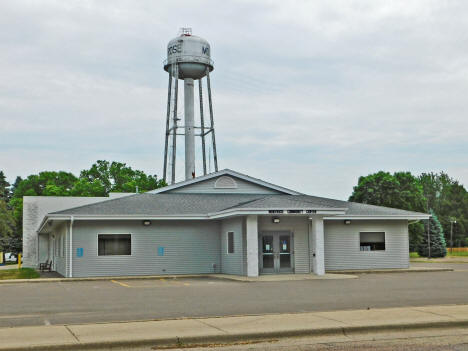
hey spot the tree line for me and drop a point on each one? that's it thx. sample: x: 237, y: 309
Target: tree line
x: 436, y: 193
x: 102, y: 178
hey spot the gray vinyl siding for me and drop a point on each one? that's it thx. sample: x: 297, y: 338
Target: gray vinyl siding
x: 299, y: 226
x: 207, y: 187
x: 232, y: 263
x: 342, y: 245
x: 191, y: 247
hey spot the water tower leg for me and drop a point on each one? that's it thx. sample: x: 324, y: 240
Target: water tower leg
x: 174, y: 128
x: 168, y: 116
x: 189, y: 129
x: 202, y: 120
x: 215, y: 156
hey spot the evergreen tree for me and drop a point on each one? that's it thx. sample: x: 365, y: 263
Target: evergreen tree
x: 436, y: 234
x: 4, y: 188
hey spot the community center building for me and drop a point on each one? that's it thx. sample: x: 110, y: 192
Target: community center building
x: 222, y: 222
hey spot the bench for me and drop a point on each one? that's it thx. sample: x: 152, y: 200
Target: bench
x: 46, y: 266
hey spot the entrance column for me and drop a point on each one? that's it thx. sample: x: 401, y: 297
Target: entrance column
x: 252, y: 245
x: 318, y: 244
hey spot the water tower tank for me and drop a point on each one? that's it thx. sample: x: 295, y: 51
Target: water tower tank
x: 192, y: 54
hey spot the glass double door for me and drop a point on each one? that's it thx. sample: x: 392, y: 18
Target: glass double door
x: 276, y: 254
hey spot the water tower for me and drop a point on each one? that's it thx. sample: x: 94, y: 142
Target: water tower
x: 188, y: 59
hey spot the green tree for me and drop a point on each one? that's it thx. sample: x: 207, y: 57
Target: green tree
x: 105, y: 177
x: 4, y: 188
x: 7, y: 226
x: 437, y: 241
x: 449, y: 200
x: 399, y: 190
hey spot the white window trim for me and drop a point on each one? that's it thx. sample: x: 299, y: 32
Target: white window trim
x: 373, y: 231
x: 97, y: 244
x: 233, y: 243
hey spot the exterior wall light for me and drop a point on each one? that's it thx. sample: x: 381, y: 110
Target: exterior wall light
x: 347, y: 221
x: 146, y: 222
x: 276, y: 220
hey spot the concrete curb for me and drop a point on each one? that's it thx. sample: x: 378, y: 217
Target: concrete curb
x: 92, y: 279
x: 230, y: 338
x: 379, y: 271
x: 237, y: 278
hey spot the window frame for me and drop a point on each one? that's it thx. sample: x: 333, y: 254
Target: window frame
x: 233, y: 243
x: 97, y: 244
x: 373, y: 231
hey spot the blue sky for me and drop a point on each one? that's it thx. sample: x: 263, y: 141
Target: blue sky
x: 308, y: 95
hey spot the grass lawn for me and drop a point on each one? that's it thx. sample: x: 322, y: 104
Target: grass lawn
x: 453, y: 254
x: 23, y: 273
x: 460, y: 253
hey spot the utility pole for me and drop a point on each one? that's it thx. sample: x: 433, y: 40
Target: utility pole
x: 451, y: 235
x: 428, y: 232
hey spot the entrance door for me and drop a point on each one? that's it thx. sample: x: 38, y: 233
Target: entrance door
x: 276, y: 254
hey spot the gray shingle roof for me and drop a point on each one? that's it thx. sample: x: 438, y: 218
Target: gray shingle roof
x: 202, y: 204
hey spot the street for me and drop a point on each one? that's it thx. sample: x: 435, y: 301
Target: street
x: 119, y: 300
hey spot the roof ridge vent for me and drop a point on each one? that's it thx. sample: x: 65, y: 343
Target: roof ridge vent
x: 225, y: 182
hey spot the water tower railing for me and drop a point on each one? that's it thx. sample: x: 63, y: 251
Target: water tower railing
x: 190, y: 58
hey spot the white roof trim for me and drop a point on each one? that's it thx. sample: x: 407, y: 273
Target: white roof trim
x: 221, y: 173
x: 338, y: 215
x: 357, y: 217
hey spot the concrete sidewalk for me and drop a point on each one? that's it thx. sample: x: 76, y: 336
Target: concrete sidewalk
x: 227, y: 329
x: 347, y: 274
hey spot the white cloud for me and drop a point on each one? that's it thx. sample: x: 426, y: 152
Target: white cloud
x: 307, y: 94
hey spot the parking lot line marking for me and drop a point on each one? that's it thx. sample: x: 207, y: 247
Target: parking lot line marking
x: 120, y: 283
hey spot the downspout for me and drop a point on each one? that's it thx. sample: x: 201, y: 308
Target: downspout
x: 37, y: 249
x: 71, y: 247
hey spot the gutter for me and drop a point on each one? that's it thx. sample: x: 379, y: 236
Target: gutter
x: 71, y: 247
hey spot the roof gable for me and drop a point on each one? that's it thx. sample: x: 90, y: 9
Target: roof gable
x: 225, y: 182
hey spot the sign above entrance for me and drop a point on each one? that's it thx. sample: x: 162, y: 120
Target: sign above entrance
x: 292, y: 211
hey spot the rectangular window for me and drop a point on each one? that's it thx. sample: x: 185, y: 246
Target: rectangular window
x: 114, y: 244
x: 230, y: 242
x: 372, y: 241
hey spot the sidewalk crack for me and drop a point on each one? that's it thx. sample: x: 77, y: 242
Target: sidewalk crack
x: 212, y: 326
x: 72, y: 333
x: 434, y: 313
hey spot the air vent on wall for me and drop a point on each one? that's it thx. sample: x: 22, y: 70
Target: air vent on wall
x: 225, y: 182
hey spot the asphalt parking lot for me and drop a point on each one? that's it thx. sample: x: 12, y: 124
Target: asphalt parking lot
x: 125, y: 300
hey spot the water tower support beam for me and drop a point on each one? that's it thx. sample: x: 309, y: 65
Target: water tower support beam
x: 168, y: 116
x: 174, y: 125
x: 215, y: 157
x: 189, y: 129
x: 202, y: 120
